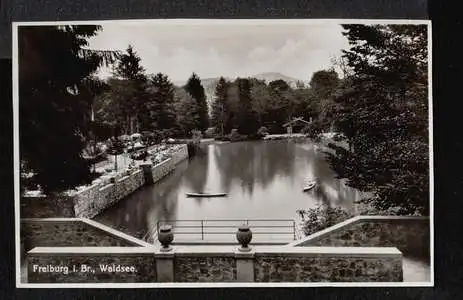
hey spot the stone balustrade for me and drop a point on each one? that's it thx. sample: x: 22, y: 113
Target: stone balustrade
x: 99, y: 259
x: 219, y: 264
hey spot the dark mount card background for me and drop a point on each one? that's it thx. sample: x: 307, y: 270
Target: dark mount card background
x: 448, y: 146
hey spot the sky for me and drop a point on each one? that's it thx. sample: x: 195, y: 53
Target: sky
x: 225, y: 48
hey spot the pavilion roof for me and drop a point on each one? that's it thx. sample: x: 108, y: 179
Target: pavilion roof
x: 294, y: 120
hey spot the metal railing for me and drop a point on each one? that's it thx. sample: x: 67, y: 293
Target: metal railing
x: 204, y: 230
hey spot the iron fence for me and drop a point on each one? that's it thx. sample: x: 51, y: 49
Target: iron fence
x: 204, y: 230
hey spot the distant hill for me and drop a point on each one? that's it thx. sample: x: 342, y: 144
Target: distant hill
x: 210, y: 84
x: 272, y: 76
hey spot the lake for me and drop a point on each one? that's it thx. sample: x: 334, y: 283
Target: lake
x: 262, y: 179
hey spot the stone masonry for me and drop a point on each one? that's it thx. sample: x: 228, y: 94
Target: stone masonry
x: 205, y: 269
x: 409, y: 235
x: 327, y: 269
x: 66, y: 234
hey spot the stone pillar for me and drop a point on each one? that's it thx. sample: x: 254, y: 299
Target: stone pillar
x: 244, y: 255
x: 165, y: 265
x: 244, y: 266
x: 165, y: 255
x: 147, y: 172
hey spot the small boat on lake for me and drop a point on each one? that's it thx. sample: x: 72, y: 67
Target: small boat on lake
x: 309, y: 185
x: 206, y: 194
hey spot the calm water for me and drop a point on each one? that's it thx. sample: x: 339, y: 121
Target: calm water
x: 263, y: 180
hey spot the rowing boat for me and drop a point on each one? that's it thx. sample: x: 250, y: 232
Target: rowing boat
x: 309, y: 186
x: 206, y: 195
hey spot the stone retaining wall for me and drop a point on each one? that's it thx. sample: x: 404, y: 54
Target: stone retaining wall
x: 97, y: 198
x: 90, y: 201
x: 155, y: 173
x: 411, y: 235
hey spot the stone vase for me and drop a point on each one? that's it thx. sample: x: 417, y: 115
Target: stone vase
x: 244, y: 237
x: 165, y: 237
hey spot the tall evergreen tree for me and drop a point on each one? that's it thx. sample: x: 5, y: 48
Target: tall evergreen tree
x: 187, y: 111
x: 220, y: 108
x: 53, y: 104
x: 247, y: 121
x: 196, y: 90
x: 133, y: 94
x: 161, y: 103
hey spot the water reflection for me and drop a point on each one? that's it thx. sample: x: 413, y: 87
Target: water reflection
x: 263, y: 180
x: 252, y: 165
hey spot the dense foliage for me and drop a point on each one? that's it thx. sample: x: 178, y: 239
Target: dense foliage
x: 382, y: 110
x: 55, y: 100
x: 195, y: 88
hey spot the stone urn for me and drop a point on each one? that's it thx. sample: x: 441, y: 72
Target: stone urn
x: 165, y: 237
x: 244, y: 237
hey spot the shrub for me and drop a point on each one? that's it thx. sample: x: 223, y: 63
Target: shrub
x: 210, y: 132
x: 319, y: 218
x: 234, y: 135
x: 263, y: 131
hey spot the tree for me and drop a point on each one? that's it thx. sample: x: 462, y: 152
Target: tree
x: 323, y: 85
x: 220, y: 106
x: 53, y: 104
x: 383, y: 111
x: 133, y: 94
x: 196, y: 90
x: 187, y: 111
x: 278, y: 109
x: 260, y: 95
x: 247, y: 122
x: 110, y: 108
x: 160, y: 107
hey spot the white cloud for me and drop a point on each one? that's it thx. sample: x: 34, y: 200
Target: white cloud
x: 226, y: 50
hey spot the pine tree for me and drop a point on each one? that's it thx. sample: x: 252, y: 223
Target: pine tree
x: 247, y: 121
x: 220, y: 106
x: 160, y: 107
x: 187, y: 111
x: 53, y: 104
x: 133, y: 94
x: 196, y: 90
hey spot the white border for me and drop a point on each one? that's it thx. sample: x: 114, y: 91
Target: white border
x: 190, y: 22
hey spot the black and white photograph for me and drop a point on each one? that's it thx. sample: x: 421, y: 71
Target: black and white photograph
x: 223, y: 153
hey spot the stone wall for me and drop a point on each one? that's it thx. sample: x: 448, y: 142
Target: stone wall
x: 162, y: 170
x: 71, y: 232
x: 155, y: 173
x: 221, y: 264
x: 327, y: 269
x: 91, y: 200
x: 180, y: 155
x: 97, y: 198
x: 205, y: 269
x: 73, y: 265
x: 45, y: 207
x: 411, y: 235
